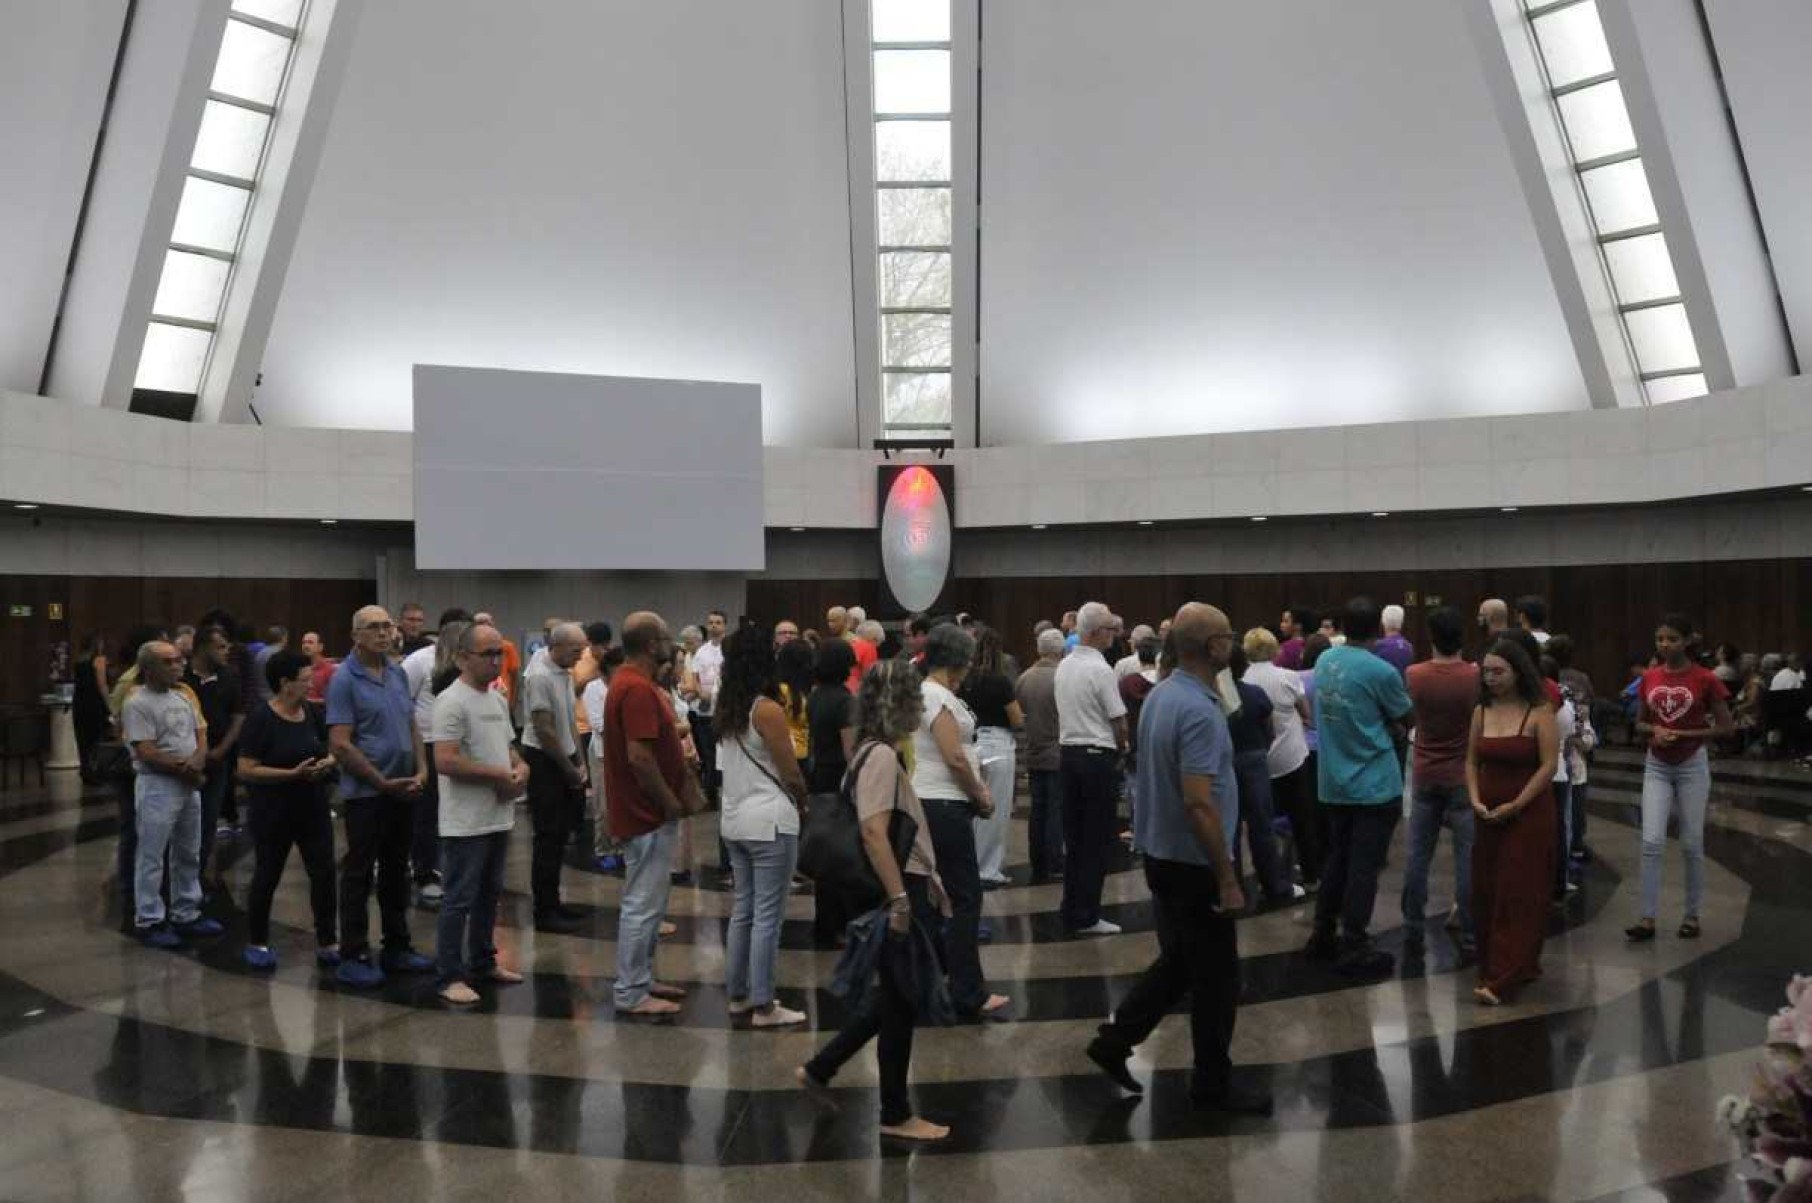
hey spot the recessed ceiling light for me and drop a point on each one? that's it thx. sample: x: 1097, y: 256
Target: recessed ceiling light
x: 1037, y: 526
x: 1380, y: 513
x: 797, y: 530
x: 1258, y: 518
x: 24, y: 505
x: 330, y: 522
x: 1145, y: 522
x: 1805, y: 488
x: 1507, y: 509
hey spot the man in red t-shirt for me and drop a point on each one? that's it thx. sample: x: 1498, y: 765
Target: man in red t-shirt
x: 649, y: 790
x: 1444, y: 691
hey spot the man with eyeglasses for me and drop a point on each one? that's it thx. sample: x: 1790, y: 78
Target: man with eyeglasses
x: 371, y: 732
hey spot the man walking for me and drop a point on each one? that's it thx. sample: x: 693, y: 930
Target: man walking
x: 371, y: 732
x: 1358, y: 697
x: 550, y: 745
x: 1444, y: 690
x: 481, y: 777
x: 1091, y: 722
x: 1187, y: 813
x: 162, y: 726
x: 648, y: 790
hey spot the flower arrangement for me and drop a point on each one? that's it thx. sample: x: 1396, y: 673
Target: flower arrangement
x: 1774, y: 1122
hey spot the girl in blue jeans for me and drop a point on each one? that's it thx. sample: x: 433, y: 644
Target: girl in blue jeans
x: 1681, y: 704
x: 763, y: 788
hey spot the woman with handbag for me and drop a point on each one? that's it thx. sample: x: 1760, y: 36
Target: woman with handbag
x: 946, y: 776
x: 762, y: 792
x: 889, y: 709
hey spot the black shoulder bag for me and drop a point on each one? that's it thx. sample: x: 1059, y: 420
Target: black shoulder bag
x: 831, y: 851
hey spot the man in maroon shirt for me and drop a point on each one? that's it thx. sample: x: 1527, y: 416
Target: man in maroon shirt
x: 649, y: 790
x: 1444, y: 690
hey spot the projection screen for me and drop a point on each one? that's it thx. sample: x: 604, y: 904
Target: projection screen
x: 540, y: 470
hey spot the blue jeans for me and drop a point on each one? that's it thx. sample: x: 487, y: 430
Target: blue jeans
x: 472, y: 878
x: 1433, y: 807
x: 647, y: 865
x: 1046, y: 834
x: 764, y: 877
x: 953, y: 844
x: 168, y: 820
x: 1254, y: 778
x: 1667, y: 788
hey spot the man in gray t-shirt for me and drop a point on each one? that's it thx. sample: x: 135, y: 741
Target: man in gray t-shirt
x: 481, y: 776
x: 1037, y: 694
x: 556, y: 784
x: 162, y: 725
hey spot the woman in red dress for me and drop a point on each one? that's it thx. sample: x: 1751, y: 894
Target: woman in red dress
x: 1510, y: 761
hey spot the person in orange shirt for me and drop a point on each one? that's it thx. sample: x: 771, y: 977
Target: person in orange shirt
x: 509, y: 681
x: 865, y: 642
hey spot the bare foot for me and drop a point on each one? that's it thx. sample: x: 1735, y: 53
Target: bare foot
x: 652, y: 1006
x: 916, y: 1129
x: 663, y: 990
x: 995, y: 1003
x: 1485, y: 995
x: 459, y: 994
x: 803, y: 1076
x: 668, y: 929
x: 504, y: 977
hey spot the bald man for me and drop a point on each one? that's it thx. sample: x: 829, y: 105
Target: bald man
x: 1184, y: 824
x: 371, y: 732
x: 550, y: 746
x: 1494, y: 617
x: 836, y: 619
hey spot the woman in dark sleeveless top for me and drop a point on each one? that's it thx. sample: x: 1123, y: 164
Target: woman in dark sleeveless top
x: 1510, y: 765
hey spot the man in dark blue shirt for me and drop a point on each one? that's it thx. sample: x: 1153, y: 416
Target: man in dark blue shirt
x: 1188, y: 808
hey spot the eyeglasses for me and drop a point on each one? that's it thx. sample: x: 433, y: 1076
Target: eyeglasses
x: 495, y: 653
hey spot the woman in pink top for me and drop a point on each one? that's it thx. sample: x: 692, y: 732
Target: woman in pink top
x: 1681, y: 705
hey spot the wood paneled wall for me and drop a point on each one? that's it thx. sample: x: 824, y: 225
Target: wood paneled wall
x: 1609, y: 609
x: 113, y: 604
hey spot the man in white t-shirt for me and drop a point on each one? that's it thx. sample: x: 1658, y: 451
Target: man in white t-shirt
x: 1130, y: 663
x: 1091, y: 735
x: 707, y: 669
x: 424, y: 846
x: 1790, y: 675
x: 481, y: 777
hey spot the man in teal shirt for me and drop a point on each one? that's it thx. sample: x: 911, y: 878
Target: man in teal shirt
x: 1359, y: 698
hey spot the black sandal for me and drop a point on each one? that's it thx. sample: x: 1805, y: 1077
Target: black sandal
x: 1689, y: 930
x: 1639, y: 934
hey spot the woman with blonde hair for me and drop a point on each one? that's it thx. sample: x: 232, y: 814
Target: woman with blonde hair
x: 1287, y: 759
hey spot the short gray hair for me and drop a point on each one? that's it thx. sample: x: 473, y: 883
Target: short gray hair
x: 689, y: 631
x: 871, y: 630
x: 1092, y: 617
x: 1391, y: 618
x: 948, y: 646
x: 855, y: 616
x: 1050, y: 642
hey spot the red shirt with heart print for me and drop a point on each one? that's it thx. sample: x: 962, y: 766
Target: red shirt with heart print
x: 1680, y: 701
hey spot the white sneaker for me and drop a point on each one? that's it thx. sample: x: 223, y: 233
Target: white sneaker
x: 777, y: 1017
x: 1101, y: 927
x: 741, y: 1006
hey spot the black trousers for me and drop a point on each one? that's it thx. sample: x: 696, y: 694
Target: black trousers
x: 378, y: 831
x: 887, y: 1013
x: 277, y: 826
x: 556, y: 809
x: 953, y: 843
x: 1091, y: 791
x: 1046, y: 834
x: 424, y: 841
x: 1198, y: 956
x: 1294, y: 795
x: 216, y: 788
x: 1359, y: 840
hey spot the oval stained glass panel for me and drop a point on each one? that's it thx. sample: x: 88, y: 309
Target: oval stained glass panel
x: 915, y: 538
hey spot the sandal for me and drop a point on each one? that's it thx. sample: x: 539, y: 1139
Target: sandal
x: 1639, y: 934
x: 1689, y: 930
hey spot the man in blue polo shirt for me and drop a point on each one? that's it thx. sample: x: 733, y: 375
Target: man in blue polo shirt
x: 372, y: 733
x: 1359, y: 700
x: 1188, y: 808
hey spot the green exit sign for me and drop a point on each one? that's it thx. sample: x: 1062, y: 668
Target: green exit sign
x: 18, y: 611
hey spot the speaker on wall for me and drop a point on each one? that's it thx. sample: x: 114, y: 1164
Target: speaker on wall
x: 917, y: 524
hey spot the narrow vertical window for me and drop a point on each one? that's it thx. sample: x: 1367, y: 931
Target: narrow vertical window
x: 1581, y: 79
x: 913, y: 202
x: 244, y: 93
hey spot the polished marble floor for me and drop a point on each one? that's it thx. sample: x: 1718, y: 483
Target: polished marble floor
x: 132, y: 1074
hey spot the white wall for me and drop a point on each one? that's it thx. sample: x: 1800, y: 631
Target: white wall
x: 1202, y: 217
x: 1761, y: 47
x: 617, y: 188
x: 55, y: 61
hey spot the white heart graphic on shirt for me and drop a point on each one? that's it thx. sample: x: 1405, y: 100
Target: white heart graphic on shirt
x: 1671, y: 702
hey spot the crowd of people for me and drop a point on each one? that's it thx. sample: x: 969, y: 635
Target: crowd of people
x: 1297, y: 750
